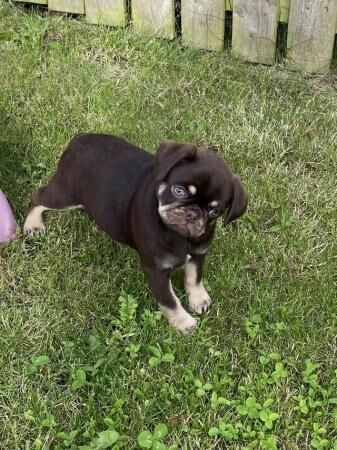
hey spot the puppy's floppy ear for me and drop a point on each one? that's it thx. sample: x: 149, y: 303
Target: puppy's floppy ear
x: 171, y: 153
x: 238, y: 203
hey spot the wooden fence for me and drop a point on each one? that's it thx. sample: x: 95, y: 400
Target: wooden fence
x: 310, y: 32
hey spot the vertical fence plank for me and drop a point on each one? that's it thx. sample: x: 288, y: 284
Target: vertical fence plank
x: 70, y: 6
x: 311, y: 34
x: 154, y: 17
x: 255, y: 30
x: 106, y: 12
x: 203, y: 23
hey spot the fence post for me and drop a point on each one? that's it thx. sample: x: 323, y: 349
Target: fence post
x: 69, y: 6
x: 154, y: 17
x: 311, y: 34
x: 255, y: 30
x: 203, y: 23
x: 106, y: 12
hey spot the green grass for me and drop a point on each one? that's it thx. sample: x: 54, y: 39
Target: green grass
x: 272, y: 279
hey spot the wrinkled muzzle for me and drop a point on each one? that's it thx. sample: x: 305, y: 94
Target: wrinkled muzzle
x: 185, y: 220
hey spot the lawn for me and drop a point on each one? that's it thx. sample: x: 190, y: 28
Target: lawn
x: 85, y: 356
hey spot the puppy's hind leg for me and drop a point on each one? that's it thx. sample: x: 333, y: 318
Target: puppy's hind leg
x: 52, y: 196
x: 34, y: 222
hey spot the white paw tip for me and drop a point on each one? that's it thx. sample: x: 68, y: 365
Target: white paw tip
x: 187, y: 326
x: 200, y: 306
x: 31, y: 230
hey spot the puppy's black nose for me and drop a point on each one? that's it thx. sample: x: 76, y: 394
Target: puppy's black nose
x: 192, y: 215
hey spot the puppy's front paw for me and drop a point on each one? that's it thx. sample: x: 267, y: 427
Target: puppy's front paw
x: 179, y: 318
x: 199, y: 299
x: 187, y: 325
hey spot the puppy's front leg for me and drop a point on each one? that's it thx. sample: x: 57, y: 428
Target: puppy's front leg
x: 198, y: 297
x: 169, y: 303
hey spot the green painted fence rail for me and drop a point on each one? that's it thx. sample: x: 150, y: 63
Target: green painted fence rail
x: 311, y: 32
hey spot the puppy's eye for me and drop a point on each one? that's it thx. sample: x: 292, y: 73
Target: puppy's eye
x: 179, y: 191
x: 213, y: 212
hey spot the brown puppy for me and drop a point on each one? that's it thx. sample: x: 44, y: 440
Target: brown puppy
x: 165, y: 207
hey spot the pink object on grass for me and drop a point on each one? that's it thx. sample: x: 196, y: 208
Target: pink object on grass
x: 7, y: 220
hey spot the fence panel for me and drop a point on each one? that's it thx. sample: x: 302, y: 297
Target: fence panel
x: 255, y: 30
x: 312, y: 25
x: 311, y: 34
x: 203, y: 23
x: 106, y: 12
x: 69, y: 6
x: 154, y: 17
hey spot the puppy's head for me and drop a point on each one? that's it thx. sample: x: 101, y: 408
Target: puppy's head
x: 194, y: 188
